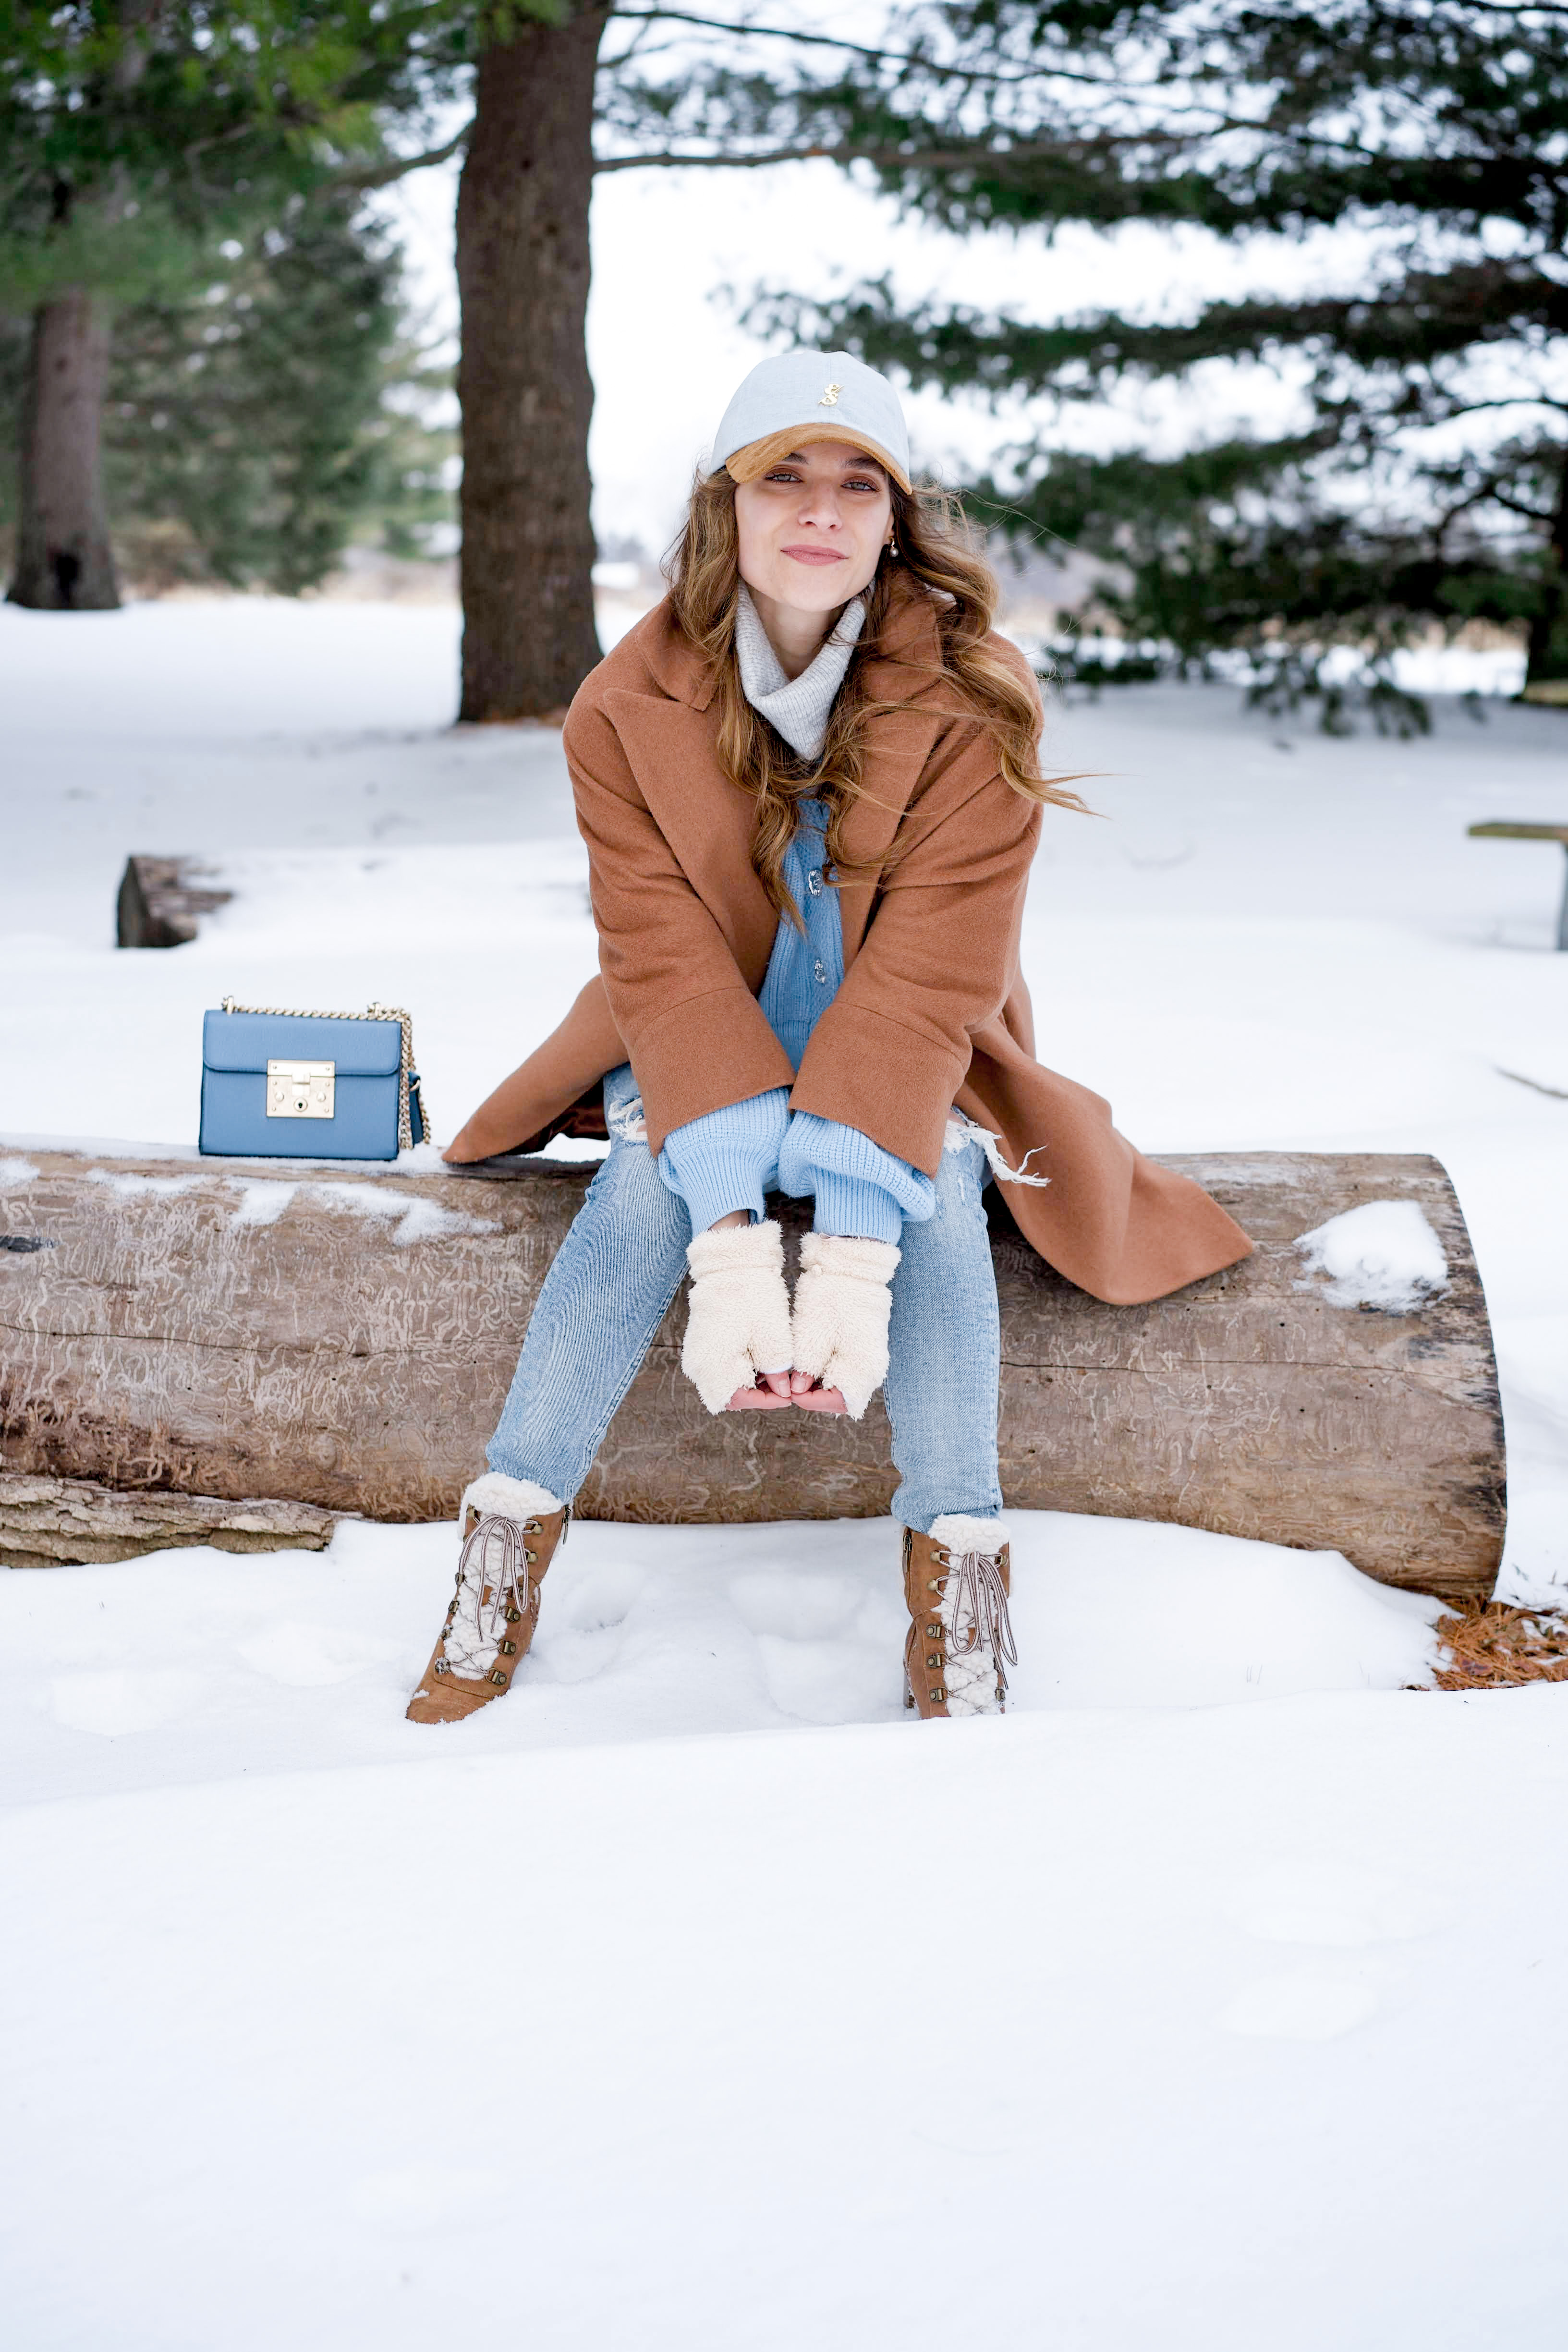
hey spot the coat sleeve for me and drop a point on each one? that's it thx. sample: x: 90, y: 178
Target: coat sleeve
x: 667, y: 969
x: 893, y: 1048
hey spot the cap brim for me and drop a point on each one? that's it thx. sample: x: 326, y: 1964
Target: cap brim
x: 745, y: 465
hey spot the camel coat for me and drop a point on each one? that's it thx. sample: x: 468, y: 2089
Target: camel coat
x: 933, y: 1011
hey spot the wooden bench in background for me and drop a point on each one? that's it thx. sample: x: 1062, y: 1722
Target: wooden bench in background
x: 1499, y: 831
x: 231, y: 1352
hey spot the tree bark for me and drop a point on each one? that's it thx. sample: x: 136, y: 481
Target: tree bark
x: 1547, y: 663
x: 63, y: 563
x: 528, y: 638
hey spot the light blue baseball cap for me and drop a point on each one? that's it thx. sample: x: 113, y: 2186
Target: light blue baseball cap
x: 811, y: 396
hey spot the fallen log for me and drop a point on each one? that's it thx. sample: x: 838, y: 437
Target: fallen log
x: 343, y: 1339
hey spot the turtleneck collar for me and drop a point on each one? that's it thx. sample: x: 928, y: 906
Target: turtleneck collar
x: 797, y: 707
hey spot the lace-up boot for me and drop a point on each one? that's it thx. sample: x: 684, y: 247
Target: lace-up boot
x: 959, y: 1644
x: 511, y: 1531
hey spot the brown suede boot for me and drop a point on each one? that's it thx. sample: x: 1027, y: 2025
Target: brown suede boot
x: 956, y: 1585
x: 511, y: 1531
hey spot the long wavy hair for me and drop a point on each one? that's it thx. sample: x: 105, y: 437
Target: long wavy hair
x: 936, y: 550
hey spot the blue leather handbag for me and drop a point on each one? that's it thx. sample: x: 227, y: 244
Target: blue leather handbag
x: 277, y: 1084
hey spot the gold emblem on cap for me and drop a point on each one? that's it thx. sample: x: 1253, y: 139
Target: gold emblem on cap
x: 830, y: 397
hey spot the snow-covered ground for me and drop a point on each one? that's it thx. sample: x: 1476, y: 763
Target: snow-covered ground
x: 691, y: 1997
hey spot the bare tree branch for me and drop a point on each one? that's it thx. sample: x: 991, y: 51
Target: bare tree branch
x: 939, y: 159
x: 399, y: 167
x: 900, y: 58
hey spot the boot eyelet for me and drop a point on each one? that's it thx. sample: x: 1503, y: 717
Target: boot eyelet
x: 938, y: 1696
x: 499, y: 1681
x: 933, y: 1633
x: 509, y: 1649
x: 531, y: 1557
x: 934, y: 1661
x: 441, y: 1667
x: 532, y: 1528
x: 514, y: 1616
x: 935, y: 1585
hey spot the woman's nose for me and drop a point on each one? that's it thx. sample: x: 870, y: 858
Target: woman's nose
x: 820, y: 506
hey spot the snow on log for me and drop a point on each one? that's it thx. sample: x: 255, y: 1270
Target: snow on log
x: 341, y: 1339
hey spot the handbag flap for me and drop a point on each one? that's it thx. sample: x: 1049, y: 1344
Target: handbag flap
x: 248, y: 1040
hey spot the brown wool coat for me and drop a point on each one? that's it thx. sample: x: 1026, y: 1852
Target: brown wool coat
x: 932, y: 1010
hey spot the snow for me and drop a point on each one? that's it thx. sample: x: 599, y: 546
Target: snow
x: 639, y: 2011
x: 1382, y: 1255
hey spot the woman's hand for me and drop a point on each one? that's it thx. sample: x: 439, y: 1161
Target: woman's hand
x: 771, y: 1390
x: 839, y: 1325
x: 737, y: 1323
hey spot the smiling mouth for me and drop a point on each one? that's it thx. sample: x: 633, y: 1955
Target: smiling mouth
x: 815, y: 554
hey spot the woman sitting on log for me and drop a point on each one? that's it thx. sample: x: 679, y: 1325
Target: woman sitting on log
x: 810, y: 788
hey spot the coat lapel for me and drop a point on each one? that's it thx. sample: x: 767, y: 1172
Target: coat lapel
x: 706, y: 820
x: 899, y: 744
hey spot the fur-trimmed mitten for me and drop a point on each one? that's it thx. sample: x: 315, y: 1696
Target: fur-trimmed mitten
x: 737, y: 1322
x: 842, y: 1304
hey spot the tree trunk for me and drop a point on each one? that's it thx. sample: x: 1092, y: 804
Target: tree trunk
x: 63, y: 560
x: 528, y: 638
x: 1548, y: 659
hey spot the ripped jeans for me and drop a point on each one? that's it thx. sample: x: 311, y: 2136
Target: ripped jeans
x: 616, y: 1274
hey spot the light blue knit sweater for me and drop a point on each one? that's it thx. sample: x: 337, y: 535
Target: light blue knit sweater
x: 729, y: 1159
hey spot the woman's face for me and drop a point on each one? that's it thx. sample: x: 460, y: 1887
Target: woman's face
x: 813, y: 526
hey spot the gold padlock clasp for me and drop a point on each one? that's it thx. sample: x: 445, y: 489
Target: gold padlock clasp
x: 302, y: 1089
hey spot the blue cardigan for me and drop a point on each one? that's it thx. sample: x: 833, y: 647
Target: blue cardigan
x: 729, y: 1159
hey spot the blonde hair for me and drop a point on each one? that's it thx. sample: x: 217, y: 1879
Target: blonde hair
x: 936, y: 552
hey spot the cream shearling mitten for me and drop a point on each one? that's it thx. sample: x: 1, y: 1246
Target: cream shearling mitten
x: 737, y: 1322
x: 842, y: 1304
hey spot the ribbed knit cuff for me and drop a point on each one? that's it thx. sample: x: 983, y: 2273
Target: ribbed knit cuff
x: 860, y: 1188
x: 855, y: 1207
x: 728, y: 1160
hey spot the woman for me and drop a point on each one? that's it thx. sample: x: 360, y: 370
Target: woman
x: 809, y: 785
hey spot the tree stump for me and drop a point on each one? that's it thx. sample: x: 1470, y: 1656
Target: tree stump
x: 162, y: 899
x: 344, y: 1338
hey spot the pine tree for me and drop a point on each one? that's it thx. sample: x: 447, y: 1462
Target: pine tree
x: 254, y: 423
x: 1426, y: 481
x: 140, y: 137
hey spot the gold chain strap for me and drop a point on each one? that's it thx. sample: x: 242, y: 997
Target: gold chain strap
x: 408, y: 1083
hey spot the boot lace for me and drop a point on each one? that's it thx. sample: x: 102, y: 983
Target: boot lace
x: 975, y: 1608
x: 487, y: 1590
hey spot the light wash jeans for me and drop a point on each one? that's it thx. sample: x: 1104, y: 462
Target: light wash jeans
x: 621, y: 1265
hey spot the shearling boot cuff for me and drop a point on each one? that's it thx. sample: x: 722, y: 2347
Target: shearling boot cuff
x: 956, y: 1531
x: 496, y: 1495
